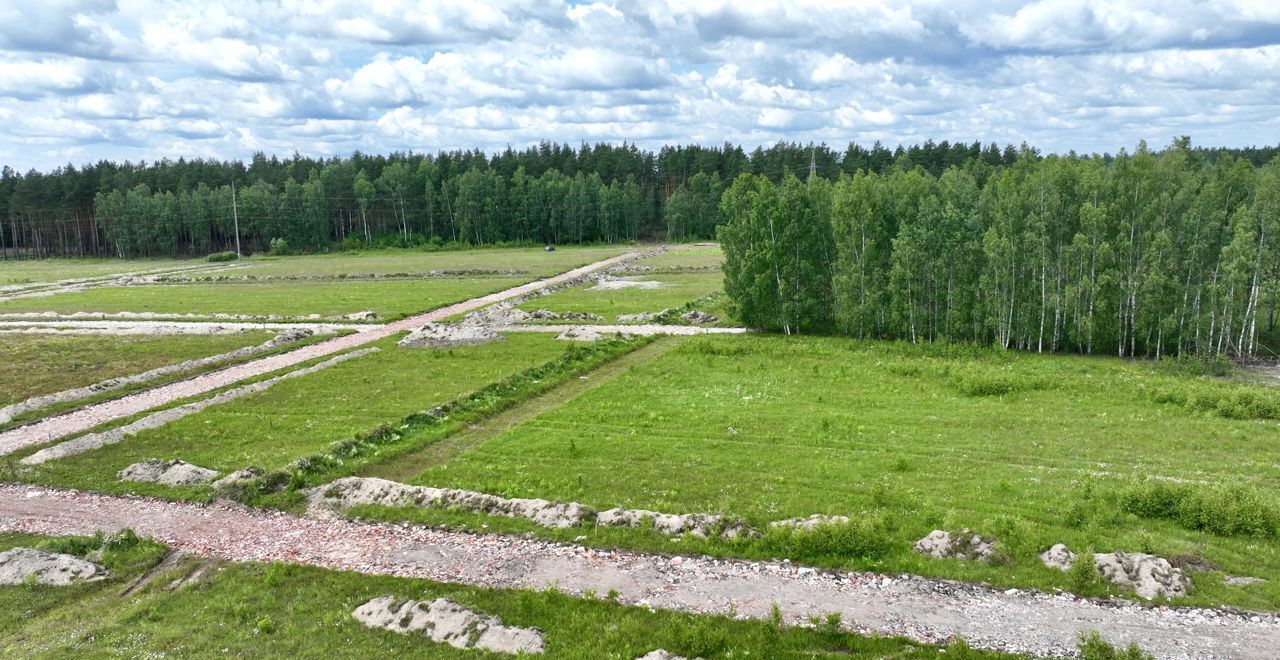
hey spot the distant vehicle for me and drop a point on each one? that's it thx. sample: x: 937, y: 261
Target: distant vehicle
x: 549, y: 248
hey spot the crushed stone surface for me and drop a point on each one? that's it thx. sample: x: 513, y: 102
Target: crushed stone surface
x: 616, y: 283
x: 25, y: 565
x: 79, y: 421
x: 923, y: 609
x: 448, y: 335
x: 446, y: 622
x: 169, y: 473
x: 157, y: 419
x: 351, y: 491
x: 7, y: 413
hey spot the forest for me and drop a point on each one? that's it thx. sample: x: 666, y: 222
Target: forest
x: 550, y: 193
x: 1141, y: 254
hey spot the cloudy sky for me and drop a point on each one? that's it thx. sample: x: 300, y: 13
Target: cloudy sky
x: 82, y: 80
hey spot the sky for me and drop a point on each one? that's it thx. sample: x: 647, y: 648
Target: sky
x: 84, y: 80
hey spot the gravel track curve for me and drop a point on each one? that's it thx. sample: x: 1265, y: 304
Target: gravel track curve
x: 78, y: 421
x: 923, y: 609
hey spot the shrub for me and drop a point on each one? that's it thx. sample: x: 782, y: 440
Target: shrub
x: 1093, y: 647
x: 279, y: 247
x: 863, y: 537
x: 217, y: 257
x: 1196, y: 365
x: 1225, y: 510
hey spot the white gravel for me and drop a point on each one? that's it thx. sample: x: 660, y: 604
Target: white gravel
x: 923, y: 609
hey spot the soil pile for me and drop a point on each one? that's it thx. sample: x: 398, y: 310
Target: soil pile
x: 351, y: 491
x: 701, y: 525
x: 810, y: 523
x: 446, y: 622
x: 448, y: 335
x: 1147, y: 575
x: 24, y: 565
x: 964, y: 544
x: 169, y: 473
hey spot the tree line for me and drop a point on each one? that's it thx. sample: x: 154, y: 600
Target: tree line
x: 1148, y: 253
x: 551, y: 193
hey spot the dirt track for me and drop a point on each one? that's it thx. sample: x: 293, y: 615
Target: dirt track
x: 927, y: 610
x: 81, y: 420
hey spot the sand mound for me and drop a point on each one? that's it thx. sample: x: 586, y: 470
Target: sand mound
x: 699, y: 317
x: 446, y: 622
x: 351, y: 491
x: 170, y: 473
x: 587, y: 333
x: 1059, y: 557
x: 965, y: 544
x: 22, y: 565
x: 447, y: 335
x: 239, y: 477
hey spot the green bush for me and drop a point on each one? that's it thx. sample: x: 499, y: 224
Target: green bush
x: 1225, y: 510
x: 866, y: 538
x: 223, y: 256
x: 1093, y: 647
x: 279, y: 247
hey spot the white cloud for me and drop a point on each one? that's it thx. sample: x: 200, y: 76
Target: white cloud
x: 143, y: 79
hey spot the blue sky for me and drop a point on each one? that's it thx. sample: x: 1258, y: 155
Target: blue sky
x: 82, y: 80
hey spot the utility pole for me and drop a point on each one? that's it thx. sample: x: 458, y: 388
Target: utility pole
x: 235, y: 216
x: 813, y: 163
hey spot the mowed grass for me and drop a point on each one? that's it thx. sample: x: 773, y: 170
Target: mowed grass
x: 533, y: 262
x: 675, y: 291
x: 33, y: 365
x: 303, y: 416
x: 287, y: 611
x: 686, y: 256
x: 899, y: 438
x: 389, y: 299
x: 31, y: 271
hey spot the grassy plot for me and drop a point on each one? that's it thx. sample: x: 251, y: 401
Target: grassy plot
x: 534, y: 262
x: 686, y: 256
x: 43, y: 364
x: 28, y: 271
x: 277, y: 610
x: 672, y: 291
x: 389, y: 299
x: 1033, y: 450
x: 302, y: 416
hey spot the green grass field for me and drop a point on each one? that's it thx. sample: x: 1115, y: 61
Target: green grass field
x: 768, y: 427
x: 686, y: 256
x: 298, y: 417
x: 676, y: 291
x: 389, y: 299
x: 278, y: 610
x: 31, y: 271
x: 532, y: 261
x: 43, y: 364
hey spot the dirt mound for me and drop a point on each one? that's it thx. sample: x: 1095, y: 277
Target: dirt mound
x: 548, y: 315
x: 1059, y: 557
x: 964, y: 544
x: 446, y: 622
x: 351, y: 491
x: 23, y: 565
x: 448, y: 335
x: 1242, y: 581
x: 701, y: 525
x: 642, y: 317
x: 699, y: 317
x: 170, y: 473
x: 499, y: 315
x: 367, y: 315
x: 808, y: 524
x: 239, y: 477
x: 586, y: 333
x: 616, y: 283
x: 1147, y: 575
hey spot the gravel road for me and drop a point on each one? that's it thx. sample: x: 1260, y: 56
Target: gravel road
x: 923, y: 609
x: 78, y: 421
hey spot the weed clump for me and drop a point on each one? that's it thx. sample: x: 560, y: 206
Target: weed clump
x: 218, y: 257
x: 1093, y: 647
x: 1225, y: 510
x: 866, y: 538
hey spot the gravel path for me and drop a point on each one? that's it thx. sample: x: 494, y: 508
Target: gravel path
x: 923, y: 609
x: 645, y: 329
x: 78, y: 421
